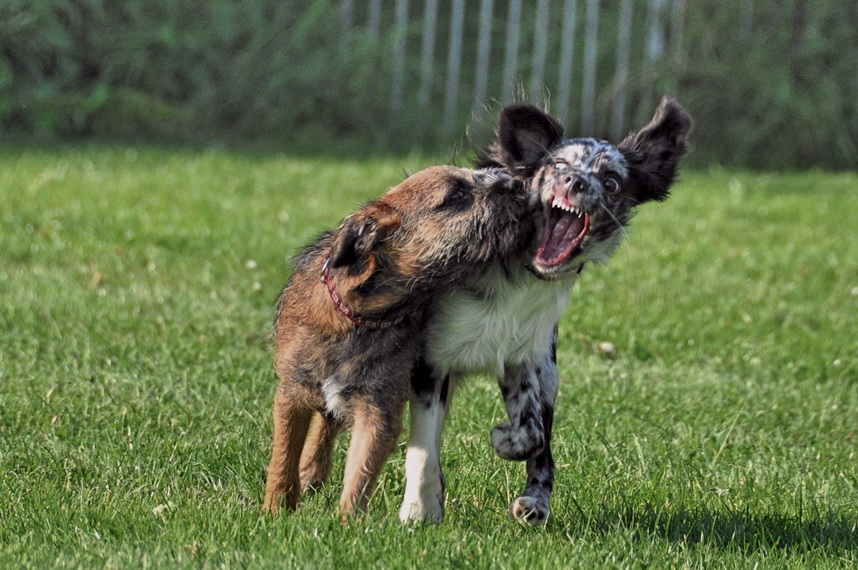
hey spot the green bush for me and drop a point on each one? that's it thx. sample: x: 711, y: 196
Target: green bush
x: 783, y: 96
x: 769, y: 87
x: 188, y: 70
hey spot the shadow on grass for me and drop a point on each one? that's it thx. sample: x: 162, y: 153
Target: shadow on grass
x: 744, y: 531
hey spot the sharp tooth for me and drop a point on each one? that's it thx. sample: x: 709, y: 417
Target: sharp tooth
x: 558, y: 202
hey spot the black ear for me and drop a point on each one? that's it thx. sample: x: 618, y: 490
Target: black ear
x: 525, y: 134
x: 654, y: 152
x: 361, y: 234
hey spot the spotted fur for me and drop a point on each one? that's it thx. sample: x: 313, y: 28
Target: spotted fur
x: 504, y: 321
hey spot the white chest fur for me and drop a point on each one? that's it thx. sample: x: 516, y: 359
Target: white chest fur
x: 496, y: 320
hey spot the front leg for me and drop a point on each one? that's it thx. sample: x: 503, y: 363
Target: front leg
x: 424, y: 480
x: 533, y: 506
x: 527, y: 389
x: 374, y: 433
x: 529, y: 393
x: 291, y: 422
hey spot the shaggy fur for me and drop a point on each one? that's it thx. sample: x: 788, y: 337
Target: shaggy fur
x: 350, y: 322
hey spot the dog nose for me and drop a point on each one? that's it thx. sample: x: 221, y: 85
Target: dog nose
x: 576, y: 184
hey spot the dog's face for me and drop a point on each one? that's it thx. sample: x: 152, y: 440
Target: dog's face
x: 433, y: 227
x: 587, y: 188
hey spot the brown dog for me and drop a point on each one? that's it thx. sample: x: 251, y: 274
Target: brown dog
x: 350, y: 320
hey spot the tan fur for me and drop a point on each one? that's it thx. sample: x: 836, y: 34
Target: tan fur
x: 374, y: 436
x: 291, y: 420
x: 316, y: 457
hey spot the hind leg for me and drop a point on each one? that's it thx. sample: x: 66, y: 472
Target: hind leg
x: 374, y: 437
x: 316, y: 458
x: 291, y: 421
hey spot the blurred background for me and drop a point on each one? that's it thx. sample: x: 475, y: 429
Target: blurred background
x: 772, y: 84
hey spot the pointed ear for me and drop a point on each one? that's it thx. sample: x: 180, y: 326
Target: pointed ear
x: 525, y: 133
x: 654, y: 152
x: 361, y: 234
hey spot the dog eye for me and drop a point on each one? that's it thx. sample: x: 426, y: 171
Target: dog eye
x: 458, y: 196
x: 560, y: 165
x: 612, y: 184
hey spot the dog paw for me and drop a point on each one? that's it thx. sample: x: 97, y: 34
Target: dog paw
x: 418, y: 512
x: 529, y: 511
x: 516, y: 444
x: 270, y: 507
x: 424, y: 503
x: 310, y: 483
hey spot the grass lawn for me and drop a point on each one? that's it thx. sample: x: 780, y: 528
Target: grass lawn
x: 136, y: 377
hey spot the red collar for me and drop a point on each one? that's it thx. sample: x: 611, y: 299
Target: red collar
x: 349, y: 313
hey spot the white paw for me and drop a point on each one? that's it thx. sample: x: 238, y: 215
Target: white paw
x: 424, y: 501
x: 529, y: 510
x: 422, y: 512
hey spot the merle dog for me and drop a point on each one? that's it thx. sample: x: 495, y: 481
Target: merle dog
x: 504, y: 321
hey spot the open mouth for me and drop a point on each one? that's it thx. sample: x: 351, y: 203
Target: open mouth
x: 566, y: 226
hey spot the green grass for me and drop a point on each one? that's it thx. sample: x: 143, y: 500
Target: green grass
x: 136, y: 380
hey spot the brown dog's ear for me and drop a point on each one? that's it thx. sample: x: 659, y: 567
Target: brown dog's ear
x: 361, y: 234
x: 654, y: 152
x: 525, y: 134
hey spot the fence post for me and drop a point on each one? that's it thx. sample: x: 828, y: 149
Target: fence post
x: 618, y: 112
x: 513, y: 23
x: 400, y: 29
x: 567, y: 53
x: 346, y: 11
x: 747, y: 20
x: 427, y: 62
x: 677, y: 31
x: 374, y: 19
x: 654, y: 51
x: 540, y: 39
x: 485, y: 39
x: 454, y: 57
x: 588, y: 89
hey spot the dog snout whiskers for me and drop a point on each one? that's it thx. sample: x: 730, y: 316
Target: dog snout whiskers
x: 614, y: 218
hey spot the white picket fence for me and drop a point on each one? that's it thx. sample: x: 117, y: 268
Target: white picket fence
x: 585, y: 59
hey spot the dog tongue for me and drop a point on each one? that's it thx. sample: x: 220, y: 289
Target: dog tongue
x: 562, y: 237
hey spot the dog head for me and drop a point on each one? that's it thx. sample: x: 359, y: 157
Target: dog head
x: 435, y: 226
x: 587, y: 188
